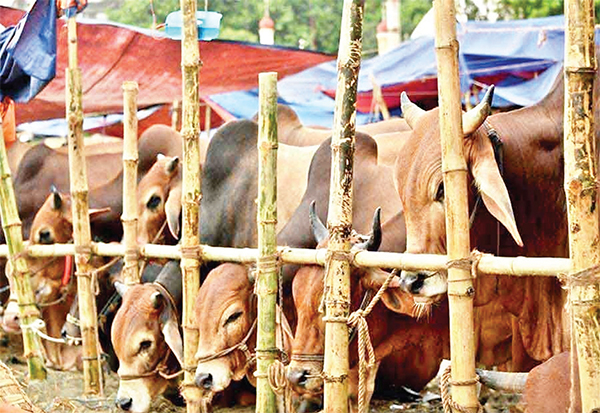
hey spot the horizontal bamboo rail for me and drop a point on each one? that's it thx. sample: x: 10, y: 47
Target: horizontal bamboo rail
x: 488, y: 264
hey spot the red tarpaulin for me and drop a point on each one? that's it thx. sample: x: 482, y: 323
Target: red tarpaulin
x: 110, y: 54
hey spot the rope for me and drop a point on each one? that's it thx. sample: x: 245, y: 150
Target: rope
x: 366, y: 353
x: 279, y: 384
x: 447, y: 402
x: 37, y: 326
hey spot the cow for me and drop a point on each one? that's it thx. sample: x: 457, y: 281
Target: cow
x: 292, y: 132
x: 545, y: 389
x: 408, y: 351
x: 225, y: 313
x: 146, y: 339
x: 229, y: 187
x: 527, y: 199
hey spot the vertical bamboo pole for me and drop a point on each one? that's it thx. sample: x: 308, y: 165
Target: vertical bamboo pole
x: 130, y: 163
x: 20, y: 285
x: 207, y: 111
x: 582, y: 195
x: 190, y: 243
x: 339, y: 221
x: 266, y: 281
x: 454, y: 167
x: 92, y: 373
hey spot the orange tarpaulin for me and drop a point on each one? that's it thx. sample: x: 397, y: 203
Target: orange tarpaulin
x: 110, y: 54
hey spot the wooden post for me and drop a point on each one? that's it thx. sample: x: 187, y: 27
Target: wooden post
x: 582, y: 197
x: 454, y: 167
x: 339, y: 221
x: 378, y: 98
x: 207, y: 111
x: 266, y: 280
x: 190, y: 243
x: 20, y: 284
x: 92, y: 372
x: 130, y: 163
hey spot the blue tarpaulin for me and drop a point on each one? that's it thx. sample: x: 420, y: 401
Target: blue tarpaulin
x: 28, y: 53
x: 521, y: 57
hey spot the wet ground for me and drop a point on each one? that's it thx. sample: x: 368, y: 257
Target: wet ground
x: 62, y: 392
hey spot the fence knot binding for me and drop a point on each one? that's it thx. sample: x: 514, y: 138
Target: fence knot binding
x: 447, y: 402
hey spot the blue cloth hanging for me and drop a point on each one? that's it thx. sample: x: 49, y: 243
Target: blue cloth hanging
x: 28, y: 53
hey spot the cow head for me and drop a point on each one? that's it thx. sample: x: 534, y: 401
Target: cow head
x: 147, y: 343
x: 304, y: 372
x: 420, y: 185
x: 159, y: 199
x: 225, y: 314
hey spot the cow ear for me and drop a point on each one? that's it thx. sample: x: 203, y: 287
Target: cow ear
x: 171, y: 333
x: 172, y: 166
x: 394, y: 298
x: 57, y: 201
x: 173, y: 210
x: 95, y: 212
x: 491, y: 185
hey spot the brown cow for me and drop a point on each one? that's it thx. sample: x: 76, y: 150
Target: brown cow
x: 50, y: 280
x: 532, y: 178
x: 226, y: 316
x: 408, y: 352
x: 146, y: 339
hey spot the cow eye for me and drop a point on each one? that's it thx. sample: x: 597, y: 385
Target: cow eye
x: 439, y: 195
x: 145, y: 345
x: 153, y: 202
x: 233, y: 317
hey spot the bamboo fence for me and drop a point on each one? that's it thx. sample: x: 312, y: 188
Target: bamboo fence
x: 339, y: 220
x: 581, y: 188
x: 190, y: 241
x: 92, y: 371
x: 267, y: 268
x: 454, y: 169
x: 20, y: 285
x: 129, y: 218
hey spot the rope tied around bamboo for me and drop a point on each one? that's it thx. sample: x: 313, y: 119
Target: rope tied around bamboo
x: 337, y: 255
x: 447, y: 402
x: 470, y: 263
x: 585, y: 277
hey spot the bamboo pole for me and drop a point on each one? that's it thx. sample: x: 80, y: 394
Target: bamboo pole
x: 92, y: 372
x: 582, y: 196
x: 339, y: 220
x: 130, y: 163
x: 20, y: 285
x: 454, y: 167
x: 266, y: 280
x: 207, y: 111
x: 378, y: 98
x: 190, y: 243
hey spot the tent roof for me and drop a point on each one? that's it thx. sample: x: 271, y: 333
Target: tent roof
x: 109, y: 54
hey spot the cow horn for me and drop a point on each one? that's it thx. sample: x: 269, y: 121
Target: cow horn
x: 159, y: 156
x: 157, y: 300
x: 497, y: 380
x: 374, y: 241
x: 56, y: 198
x: 411, y: 112
x: 318, y: 229
x: 172, y: 166
x: 475, y: 117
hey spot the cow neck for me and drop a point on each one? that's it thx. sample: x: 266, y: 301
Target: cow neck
x: 170, y: 281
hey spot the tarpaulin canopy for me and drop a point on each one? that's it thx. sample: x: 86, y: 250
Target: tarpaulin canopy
x: 110, y: 54
x: 521, y: 57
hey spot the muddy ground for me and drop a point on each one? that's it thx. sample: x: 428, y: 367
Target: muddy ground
x: 62, y: 392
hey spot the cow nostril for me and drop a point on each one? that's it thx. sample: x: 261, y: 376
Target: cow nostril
x: 124, y: 403
x: 45, y: 236
x: 204, y: 380
x: 417, y: 284
x: 298, y: 377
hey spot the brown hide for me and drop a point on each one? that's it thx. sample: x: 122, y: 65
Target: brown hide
x: 548, y: 387
x: 225, y: 311
x: 410, y: 351
x: 533, y: 176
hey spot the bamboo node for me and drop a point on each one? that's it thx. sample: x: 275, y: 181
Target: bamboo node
x: 339, y: 319
x: 268, y: 221
x: 83, y: 250
x: 334, y: 379
x: 585, y: 277
x: 267, y: 353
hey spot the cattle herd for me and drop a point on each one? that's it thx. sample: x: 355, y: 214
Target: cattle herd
x: 398, y: 201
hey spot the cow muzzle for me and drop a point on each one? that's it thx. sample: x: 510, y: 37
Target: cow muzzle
x: 305, y: 378
x: 425, y: 286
